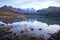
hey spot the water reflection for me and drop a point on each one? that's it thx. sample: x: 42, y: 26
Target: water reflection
x: 45, y: 20
x: 30, y: 27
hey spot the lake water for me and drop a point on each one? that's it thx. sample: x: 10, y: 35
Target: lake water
x: 47, y: 20
x: 41, y: 27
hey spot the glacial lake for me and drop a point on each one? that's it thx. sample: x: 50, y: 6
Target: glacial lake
x: 48, y: 20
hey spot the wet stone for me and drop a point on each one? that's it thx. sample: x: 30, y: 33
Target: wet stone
x: 21, y: 32
x: 32, y: 29
x: 32, y: 38
x: 40, y: 29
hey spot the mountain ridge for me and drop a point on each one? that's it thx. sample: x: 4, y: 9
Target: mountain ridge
x: 50, y: 10
x: 19, y: 10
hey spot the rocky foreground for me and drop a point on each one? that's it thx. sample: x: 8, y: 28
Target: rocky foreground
x: 14, y: 33
x: 6, y: 34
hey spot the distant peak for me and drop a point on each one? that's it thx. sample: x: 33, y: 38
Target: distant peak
x: 52, y: 7
x: 5, y: 6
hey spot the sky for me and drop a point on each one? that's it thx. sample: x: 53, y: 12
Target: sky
x: 36, y: 4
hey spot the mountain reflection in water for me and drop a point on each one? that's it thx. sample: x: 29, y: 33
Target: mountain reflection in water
x: 50, y: 21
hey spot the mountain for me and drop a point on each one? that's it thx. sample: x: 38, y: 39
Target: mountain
x: 29, y: 10
x: 50, y: 11
x: 50, y: 15
x: 7, y: 10
x: 24, y: 11
x: 18, y: 10
x: 9, y: 14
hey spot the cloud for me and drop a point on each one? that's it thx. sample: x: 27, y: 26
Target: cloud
x: 19, y: 1
x: 37, y: 4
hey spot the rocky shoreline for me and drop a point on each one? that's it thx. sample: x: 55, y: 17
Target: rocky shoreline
x: 9, y: 32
